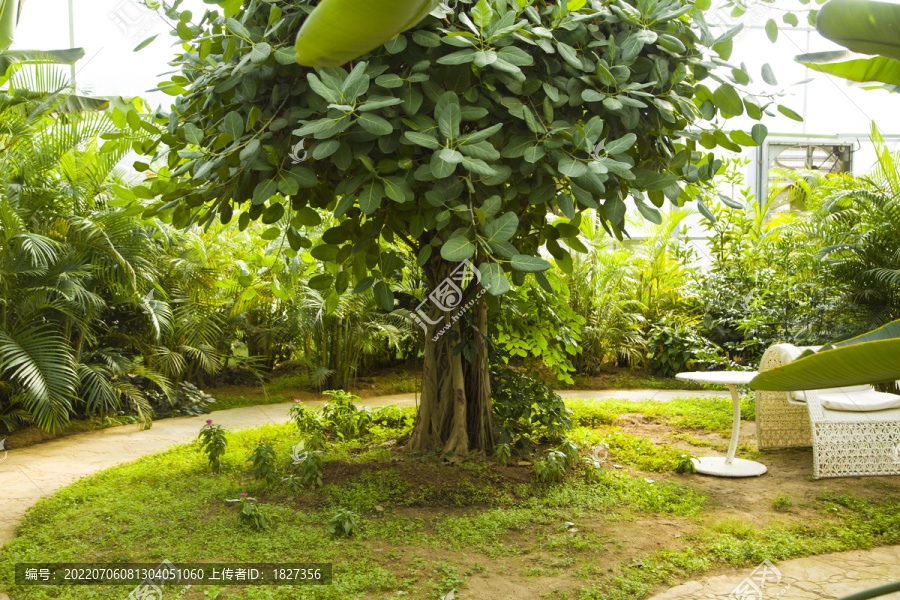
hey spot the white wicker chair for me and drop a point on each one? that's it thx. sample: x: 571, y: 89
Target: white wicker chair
x: 845, y: 444
x: 780, y: 422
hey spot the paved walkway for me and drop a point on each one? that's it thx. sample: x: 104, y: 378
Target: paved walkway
x: 40, y: 470
x: 822, y: 577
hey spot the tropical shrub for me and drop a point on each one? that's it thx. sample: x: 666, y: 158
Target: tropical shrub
x: 213, y: 443
x: 602, y: 291
x: 525, y: 409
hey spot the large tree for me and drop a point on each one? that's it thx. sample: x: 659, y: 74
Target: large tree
x: 481, y: 135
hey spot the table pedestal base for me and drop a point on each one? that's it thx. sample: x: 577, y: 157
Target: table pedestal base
x: 716, y: 465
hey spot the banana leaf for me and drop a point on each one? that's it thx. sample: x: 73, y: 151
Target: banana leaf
x: 864, y: 26
x: 853, y: 66
x: 76, y: 103
x: 62, y: 57
x: 873, y: 357
x: 337, y: 31
x: 10, y: 13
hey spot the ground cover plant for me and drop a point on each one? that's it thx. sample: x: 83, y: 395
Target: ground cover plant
x: 615, y: 523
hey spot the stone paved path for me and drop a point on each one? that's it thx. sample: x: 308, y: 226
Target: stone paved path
x: 40, y: 470
x: 822, y: 577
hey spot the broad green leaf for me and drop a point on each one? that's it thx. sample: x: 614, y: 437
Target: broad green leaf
x: 325, y: 252
x: 502, y: 228
x: 421, y: 139
x: 457, y: 58
x: 235, y: 27
x: 493, y: 279
x: 529, y: 264
x: 389, y: 80
x: 356, y: 84
x: 260, y: 53
x: 184, y: 32
x: 647, y: 179
x: 458, y: 249
x: 193, y: 134
x: 384, y: 297
x: 742, y: 138
x: 649, y: 212
x: 615, y: 211
x: 483, y: 150
x: 273, y: 214
x: 233, y: 125
x: 264, y: 190
x: 789, y: 113
x: 320, y: 282
x: 329, y: 93
x: 482, y: 14
x: 772, y: 30
x: 449, y: 121
x: 759, y: 133
x: 370, y: 198
x: 728, y: 100
x: 285, y: 56
x: 364, y: 284
x: 534, y: 154
x: 572, y: 167
x: 768, y: 76
x: 325, y: 149
x: 307, y: 217
x: 476, y: 165
x: 441, y: 168
x: 398, y: 190
x: 331, y: 301
x: 374, y: 124
x: 451, y: 156
x: 485, y: 58
x: 622, y: 144
x: 566, y: 205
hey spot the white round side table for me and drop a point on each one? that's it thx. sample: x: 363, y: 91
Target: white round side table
x: 729, y: 466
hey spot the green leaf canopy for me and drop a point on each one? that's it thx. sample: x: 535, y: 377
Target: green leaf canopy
x: 481, y: 134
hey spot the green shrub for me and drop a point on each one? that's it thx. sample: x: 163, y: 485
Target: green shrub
x: 344, y: 523
x: 525, y: 408
x: 263, y: 459
x: 309, y: 460
x: 249, y: 513
x: 305, y: 418
x: 553, y: 468
x: 348, y: 420
x: 213, y: 443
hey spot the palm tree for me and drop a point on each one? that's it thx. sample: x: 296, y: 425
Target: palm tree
x: 63, y: 254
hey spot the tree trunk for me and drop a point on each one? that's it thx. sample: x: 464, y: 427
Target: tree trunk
x: 455, y: 413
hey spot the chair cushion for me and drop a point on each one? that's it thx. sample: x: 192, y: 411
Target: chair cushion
x: 860, y: 401
x: 799, y: 397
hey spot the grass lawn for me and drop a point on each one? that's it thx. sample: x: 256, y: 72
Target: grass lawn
x: 426, y: 525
